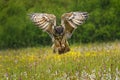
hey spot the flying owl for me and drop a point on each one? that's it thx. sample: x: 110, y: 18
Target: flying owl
x: 59, y: 34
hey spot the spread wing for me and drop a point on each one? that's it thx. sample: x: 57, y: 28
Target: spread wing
x: 71, y: 20
x: 44, y: 21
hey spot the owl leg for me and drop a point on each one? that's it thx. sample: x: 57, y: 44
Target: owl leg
x: 64, y: 48
x: 61, y: 50
x: 67, y: 47
x: 54, y: 48
x: 54, y: 51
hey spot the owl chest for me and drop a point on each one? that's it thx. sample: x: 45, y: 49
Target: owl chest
x: 59, y: 40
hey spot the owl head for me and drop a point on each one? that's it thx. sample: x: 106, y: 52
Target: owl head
x: 59, y: 30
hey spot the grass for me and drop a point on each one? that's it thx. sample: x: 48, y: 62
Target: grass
x: 84, y: 62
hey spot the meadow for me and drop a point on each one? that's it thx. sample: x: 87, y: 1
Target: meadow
x: 93, y: 61
x: 20, y: 59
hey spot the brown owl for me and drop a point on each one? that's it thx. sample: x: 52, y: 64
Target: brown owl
x: 59, y: 34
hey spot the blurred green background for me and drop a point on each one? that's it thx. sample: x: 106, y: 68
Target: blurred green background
x: 16, y: 29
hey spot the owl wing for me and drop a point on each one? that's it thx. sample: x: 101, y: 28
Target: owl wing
x: 71, y: 20
x: 44, y: 21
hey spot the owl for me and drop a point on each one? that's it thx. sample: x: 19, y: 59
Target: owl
x: 59, y: 34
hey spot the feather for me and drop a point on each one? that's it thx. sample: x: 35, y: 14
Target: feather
x: 44, y: 21
x: 77, y: 22
x: 44, y: 27
x: 72, y: 24
x: 71, y: 20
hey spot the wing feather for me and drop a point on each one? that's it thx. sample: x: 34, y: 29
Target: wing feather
x: 71, y: 20
x: 44, y: 21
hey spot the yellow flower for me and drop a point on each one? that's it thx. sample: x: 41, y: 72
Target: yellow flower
x: 94, y: 54
x: 32, y: 58
x: 87, y: 54
x: 0, y: 65
x: 57, y: 57
x: 0, y: 57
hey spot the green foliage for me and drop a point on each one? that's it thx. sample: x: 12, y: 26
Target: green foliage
x: 16, y: 29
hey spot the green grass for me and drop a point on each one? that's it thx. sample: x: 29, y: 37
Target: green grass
x: 84, y: 62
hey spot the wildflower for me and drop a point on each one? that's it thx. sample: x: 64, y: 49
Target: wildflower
x: 87, y: 54
x: 32, y: 58
x: 58, y: 57
x: 0, y: 65
x: 0, y: 57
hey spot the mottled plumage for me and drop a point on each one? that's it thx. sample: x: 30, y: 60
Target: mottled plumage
x: 59, y: 34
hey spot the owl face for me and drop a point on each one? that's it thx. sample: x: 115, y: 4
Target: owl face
x: 59, y: 30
